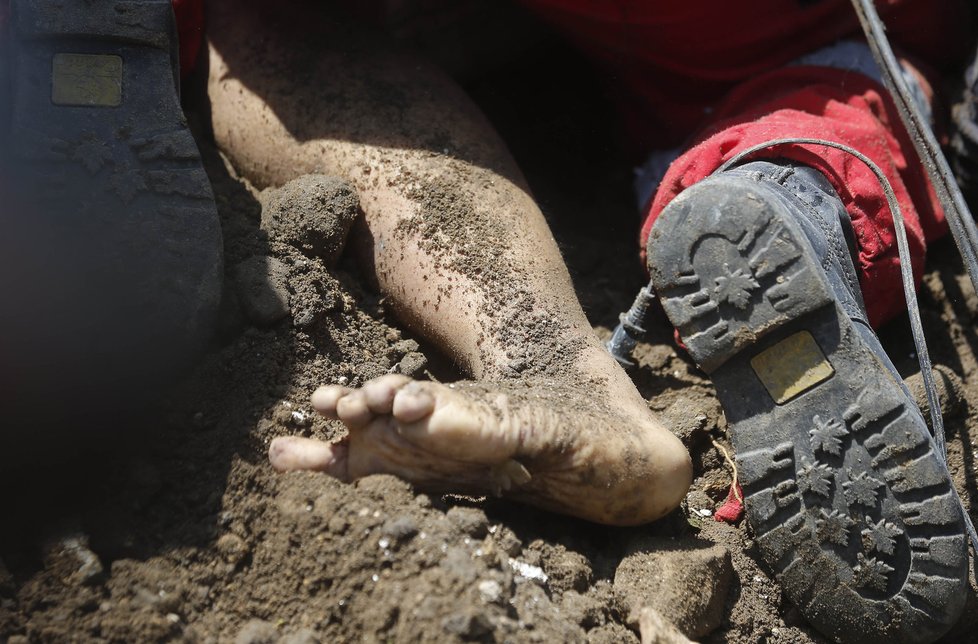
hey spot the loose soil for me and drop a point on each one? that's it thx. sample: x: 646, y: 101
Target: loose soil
x: 182, y: 532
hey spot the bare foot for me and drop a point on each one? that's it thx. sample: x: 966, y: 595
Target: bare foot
x: 543, y: 443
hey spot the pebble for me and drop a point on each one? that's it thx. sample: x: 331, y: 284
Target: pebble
x: 490, y: 591
x: 74, y: 553
x: 507, y: 541
x: 470, y: 521
x: 528, y: 571
x: 412, y: 365
x: 656, y: 629
x: 686, y: 581
x: 232, y: 548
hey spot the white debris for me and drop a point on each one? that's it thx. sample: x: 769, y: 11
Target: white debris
x: 528, y: 571
x: 490, y: 591
x: 704, y: 512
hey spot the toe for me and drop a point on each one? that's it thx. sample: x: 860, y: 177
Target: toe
x: 325, y: 398
x: 380, y: 392
x: 412, y: 403
x: 352, y: 409
x: 287, y: 453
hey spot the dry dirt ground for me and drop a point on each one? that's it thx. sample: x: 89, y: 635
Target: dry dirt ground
x: 183, y: 532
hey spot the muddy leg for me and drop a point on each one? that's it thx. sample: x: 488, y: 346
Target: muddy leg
x: 465, y: 257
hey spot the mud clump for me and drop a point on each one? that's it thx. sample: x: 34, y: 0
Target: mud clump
x: 313, y: 213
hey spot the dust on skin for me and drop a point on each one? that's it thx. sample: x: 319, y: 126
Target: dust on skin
x: 488, y: 437
x: 465, y: 239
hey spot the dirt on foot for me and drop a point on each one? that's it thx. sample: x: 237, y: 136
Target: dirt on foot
x: 185, y: 533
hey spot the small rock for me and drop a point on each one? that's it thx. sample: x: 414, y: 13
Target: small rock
x: 469, y: 625
x: 656, y: 629
x: 566, y: 569
x: 685, y: 580
x: 232, y: 547
x: 470, y: 521
x: 262, y: 289
x: 689, y: 425
x: 412, y: 364
x: 507, y: 541
x: 399, y: 528
x: 73, y: 556
x: 257, y: 631
x: 313, y: 213
x: 528, y: 571
x: 490, y: 591
x: 18, y: 639
x: 304, y: 636
x: 406, y: 346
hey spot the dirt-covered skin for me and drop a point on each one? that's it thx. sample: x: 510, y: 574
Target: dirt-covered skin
x: 462, y: 254
x: 536, y: 441
x: 197, y: 538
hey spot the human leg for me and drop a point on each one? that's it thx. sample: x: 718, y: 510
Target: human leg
x: 465, y: 258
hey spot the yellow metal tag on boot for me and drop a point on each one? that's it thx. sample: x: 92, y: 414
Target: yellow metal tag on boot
x: 87, y: 80
x: 791, y: 367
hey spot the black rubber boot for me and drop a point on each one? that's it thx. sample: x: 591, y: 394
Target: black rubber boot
x: 851, y: 506
x: 964, y: 135
x: 110, y: 223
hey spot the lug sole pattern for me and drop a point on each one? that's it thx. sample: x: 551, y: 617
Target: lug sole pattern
x: 850, y: 506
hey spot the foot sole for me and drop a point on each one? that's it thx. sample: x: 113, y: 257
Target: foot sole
x: 851, y: 508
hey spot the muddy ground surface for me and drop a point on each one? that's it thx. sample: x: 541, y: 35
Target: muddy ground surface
x: 184, y: 533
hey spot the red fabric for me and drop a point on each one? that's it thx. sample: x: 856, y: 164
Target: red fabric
x: 190, y: 26
x: 844, y: 107
x: 733, y: 508
x: 670, y: 63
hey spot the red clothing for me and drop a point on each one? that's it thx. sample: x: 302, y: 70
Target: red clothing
x: 671, y: 62
x: 820, y: 102
x: 190, y: 26
x: 718, y: 66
